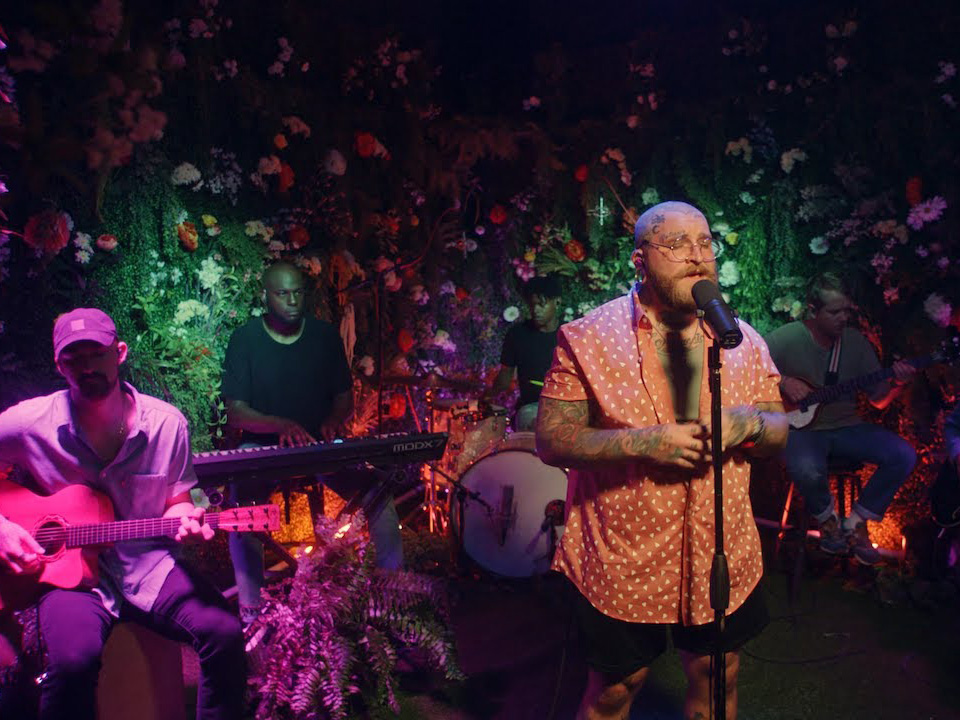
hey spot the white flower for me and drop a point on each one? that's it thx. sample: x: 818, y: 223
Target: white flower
x: 650, y: 196
x: 511, y: 313
x: 419, y: 294
x: 729, y: 273
x: 746, y: 198
x: 185, y: 174
x: 187, y: 310
x: 448, y: 288
x: 83, y: 241
x: 366, y: 365
x: 819, y: 245
x: 83, y: 256
x: 176, y: 275
x: 442, y: 340
x: 937, y: 309
x: 209, y: 273
x: 796, y: 309
x: 721, y: 228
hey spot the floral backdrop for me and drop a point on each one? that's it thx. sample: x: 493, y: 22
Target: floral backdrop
x: 420, y: 165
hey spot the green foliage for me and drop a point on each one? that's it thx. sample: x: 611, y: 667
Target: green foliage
x: 331, y: 633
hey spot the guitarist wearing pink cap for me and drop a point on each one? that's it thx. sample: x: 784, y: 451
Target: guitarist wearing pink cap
x: 101, y: 441
x: 823, y: 350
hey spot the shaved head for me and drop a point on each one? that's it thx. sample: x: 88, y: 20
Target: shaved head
x: 280, y: 271
x: 648, y: 224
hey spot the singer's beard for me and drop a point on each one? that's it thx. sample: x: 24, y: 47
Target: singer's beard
x: 672, y: 293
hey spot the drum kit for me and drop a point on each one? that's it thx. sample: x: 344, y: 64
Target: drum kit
x: 502, y: 505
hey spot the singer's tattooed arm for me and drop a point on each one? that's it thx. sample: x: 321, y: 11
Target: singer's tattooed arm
x: 763, y: 424
x: 565, y: 439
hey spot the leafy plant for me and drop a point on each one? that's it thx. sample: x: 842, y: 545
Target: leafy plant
x: 331, y: 633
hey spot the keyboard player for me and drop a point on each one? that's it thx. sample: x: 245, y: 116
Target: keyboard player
x: 286, y: 381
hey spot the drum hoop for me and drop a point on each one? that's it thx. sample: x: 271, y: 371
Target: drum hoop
x: 503, y: 447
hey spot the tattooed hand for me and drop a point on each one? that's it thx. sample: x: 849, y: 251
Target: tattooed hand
x: 684, y: 445
x: 737, y: 424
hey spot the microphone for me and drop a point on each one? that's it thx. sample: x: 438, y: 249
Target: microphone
x: 505, y: 516
x: 717, y: 313
x: 553, y: 515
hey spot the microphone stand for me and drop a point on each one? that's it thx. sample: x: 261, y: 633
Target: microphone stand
x: 719, y: 573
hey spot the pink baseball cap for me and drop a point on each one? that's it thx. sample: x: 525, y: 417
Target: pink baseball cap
x: 82, y: 324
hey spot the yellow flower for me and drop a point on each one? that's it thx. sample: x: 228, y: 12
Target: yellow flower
x: 530, y: 255
x: 732, y: 238
x: 208, y: 220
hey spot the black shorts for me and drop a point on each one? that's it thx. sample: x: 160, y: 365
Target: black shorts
x: 618, y: 648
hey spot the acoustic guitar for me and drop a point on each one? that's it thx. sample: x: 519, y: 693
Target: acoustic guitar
x: 803, y: 413
x: 74, y: 523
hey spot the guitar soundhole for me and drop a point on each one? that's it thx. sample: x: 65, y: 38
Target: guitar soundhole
x: 52, y: 537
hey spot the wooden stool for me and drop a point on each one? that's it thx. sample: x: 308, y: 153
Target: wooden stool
x: 846, y: 475
x: 141, y: 676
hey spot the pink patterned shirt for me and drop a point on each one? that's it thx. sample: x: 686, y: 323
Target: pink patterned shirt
x: 639, y: 538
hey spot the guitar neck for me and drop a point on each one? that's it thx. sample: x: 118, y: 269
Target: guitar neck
x: 105, y: 533
x: 829, y: 393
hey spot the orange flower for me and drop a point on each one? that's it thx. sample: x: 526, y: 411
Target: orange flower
x: 187, y: 232
x: 398, y: 407
x: 299, y: 237
x: 285, y: 179
x: 48, y: 232
x: 365, y: 143
x: 405, y: 340
x: 581, y: 173
x: 107, y: 242
x: 575, y: 251
x: 414, y: 221
x: 914, y: 191
x: 280, y: 141
x: 498, y: 216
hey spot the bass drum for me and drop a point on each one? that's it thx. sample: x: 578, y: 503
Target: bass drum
x: 507, y: 538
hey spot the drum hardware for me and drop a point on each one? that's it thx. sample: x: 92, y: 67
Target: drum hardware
x: 518, y: 538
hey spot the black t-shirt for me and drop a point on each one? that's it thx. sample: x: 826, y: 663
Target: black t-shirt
x: 297, y: 381
x: 531, y: 353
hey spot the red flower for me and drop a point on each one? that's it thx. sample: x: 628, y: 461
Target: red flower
x: 461, y: 294
x: 48, y: 231
x: 914, y: 191
x: 365, y: 143
x: 285, y: 179
x: 298, y: 236
x: 405, y: 340
x: 187, y: 232
x: 575, y: 251
x: 398, y: 407
x: 581, y: 173
x: 498, y: 216
x: 280, y: 141
x: 107, y: 242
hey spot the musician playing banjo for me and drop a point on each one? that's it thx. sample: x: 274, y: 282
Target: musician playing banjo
x: 135, y: 449
x: 819, y: 350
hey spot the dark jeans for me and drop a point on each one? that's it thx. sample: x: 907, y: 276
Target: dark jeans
x: 74, y: 626
x: 806, y: 457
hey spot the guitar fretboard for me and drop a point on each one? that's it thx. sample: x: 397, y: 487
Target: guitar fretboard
x: 829, y: 393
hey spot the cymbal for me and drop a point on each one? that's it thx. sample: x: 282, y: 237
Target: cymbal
x: 431, y: 380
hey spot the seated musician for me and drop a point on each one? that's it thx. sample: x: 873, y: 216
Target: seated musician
x: 286, y: 381
x: 803, y: 350
x: 134, y: 449
x: 528, y: 348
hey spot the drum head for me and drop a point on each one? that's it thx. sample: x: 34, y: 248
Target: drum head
x: 508, y: 540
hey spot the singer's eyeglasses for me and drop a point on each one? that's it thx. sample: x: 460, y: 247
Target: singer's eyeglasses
x: 682, y: 249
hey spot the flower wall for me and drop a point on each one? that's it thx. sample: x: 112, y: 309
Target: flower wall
x: 419, y: 163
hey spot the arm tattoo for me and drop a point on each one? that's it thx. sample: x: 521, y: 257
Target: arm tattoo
x: 564, y: 437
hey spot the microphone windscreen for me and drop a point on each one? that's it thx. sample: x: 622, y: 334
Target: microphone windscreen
x: 704, y: 291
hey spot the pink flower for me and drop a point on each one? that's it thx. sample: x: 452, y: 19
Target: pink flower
x: 107, y: 242
x: 48, y: 232
x: 150, y: 124
x: 926, y: 212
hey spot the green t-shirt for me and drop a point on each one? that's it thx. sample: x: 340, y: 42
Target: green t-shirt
x: 797, y: 354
